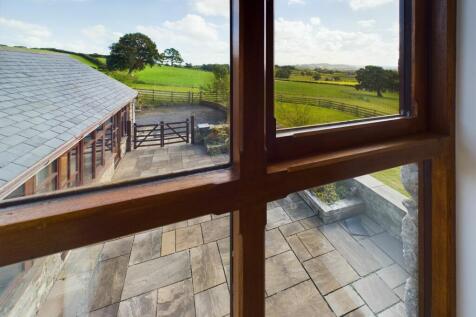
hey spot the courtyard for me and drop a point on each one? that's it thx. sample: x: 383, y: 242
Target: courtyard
x: 183, y: 269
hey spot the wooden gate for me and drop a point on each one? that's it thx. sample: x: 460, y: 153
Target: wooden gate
x: 164, y: 133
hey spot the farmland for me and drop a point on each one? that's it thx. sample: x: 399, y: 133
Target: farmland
x: 336, y: 86
x: 346, y: 94
x: 292, y: 115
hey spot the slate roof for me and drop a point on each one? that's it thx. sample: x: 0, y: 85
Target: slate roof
x: 46, y: 101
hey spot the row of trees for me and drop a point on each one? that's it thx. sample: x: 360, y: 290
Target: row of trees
x: 369, y: 78
x: 134, y: 51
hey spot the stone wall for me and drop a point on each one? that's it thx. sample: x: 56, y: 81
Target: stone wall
x: 384, y: 204
x: 31, y: 287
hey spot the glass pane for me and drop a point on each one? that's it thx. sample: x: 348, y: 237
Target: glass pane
x: 348, y: 248
x: 68, y: 68
x: 176, y: 270
x: 336, y: 61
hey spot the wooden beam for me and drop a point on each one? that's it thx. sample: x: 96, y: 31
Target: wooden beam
x: 248, y: 267
x: 52, y: 226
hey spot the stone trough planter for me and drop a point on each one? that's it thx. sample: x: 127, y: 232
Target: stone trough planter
x: 216, y: 149
x: 339, y: 210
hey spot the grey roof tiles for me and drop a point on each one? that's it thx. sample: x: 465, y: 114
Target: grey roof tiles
x: 47, y: 100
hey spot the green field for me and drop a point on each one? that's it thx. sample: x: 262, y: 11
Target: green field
x: 295, y: 115
x: 391, y: 178
x: 389, y: 103
x: 166, y: 77
x: 83, y: 60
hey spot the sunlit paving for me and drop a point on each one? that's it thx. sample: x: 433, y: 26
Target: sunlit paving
x: 315, y: 265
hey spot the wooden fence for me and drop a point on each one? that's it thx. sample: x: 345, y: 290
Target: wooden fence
x: 164, y: 133
x: 175, y: 97
x: 358, y: 111
x: 178, y: 97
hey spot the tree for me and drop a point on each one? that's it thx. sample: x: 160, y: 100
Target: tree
x: 316, y: 76
x: 173, y: 56
x: 372, y: 78
x: 133, y: 51
x: 221, y: 81
x: 283, y: 72
x: 393, y: 80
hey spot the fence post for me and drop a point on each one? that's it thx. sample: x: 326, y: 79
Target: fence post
x: 129, y: 137
x: 135, y: 136
x: 171, y: 96
x: 189, y: 97
x: 162, y: 136
x: 153, y: 95
x: 200, y: 97
x: 187, y: 130
x: 192, y: 129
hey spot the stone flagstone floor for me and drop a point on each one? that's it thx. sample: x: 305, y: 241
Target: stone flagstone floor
x: 154, y: 160
x: 184, y: 270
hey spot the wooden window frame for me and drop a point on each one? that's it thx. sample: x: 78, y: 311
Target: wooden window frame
x: 296, y: 142
x: 260, y: 173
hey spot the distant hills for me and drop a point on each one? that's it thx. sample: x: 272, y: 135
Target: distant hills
x: 337, y: 67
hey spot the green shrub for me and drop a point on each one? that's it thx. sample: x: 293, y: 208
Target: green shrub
x: 331, y: 193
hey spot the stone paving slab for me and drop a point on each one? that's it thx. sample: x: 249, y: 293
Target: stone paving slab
x: 108, y: 282
x: 283, y: 271
x: 298, y: 248
x: 168, y: 243
x: 214, y: 302
x: 176, y: 300
x: 375, y: 293
x: 207, y: 269
x: 330, y: 272
x: 186, y: 266
x: 275, y: 243
x: 276, y: 218
x: 147, y: 246
x: 216, y: 229
x: 363, y: 311
x: 315, y: 242
x: 393, y: 275
x: 144, y: 305
x: 303, y: 300
x: 155, y: 161
x: 116, y: 248
x: 154, y: 274
x: 344, y: 300
x: 361, y: 260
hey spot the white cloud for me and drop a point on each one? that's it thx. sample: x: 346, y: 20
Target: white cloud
x: 25, y: 33
x: 197, y: 40
x: 291, y: 2
x: 367, y: 4
x: 315, y: 20
x: 302, y: 42
x: 366, y: 23
x: 99, y: 34
x: 93, y: 39
x: 212, y: 7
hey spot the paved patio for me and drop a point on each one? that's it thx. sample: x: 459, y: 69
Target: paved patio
x: 154, y: 160
x: 184, y: 270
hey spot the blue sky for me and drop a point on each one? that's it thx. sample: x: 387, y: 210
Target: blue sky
x: 356, y: 32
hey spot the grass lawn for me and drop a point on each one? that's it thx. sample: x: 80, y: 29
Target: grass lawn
x: 167, y: 76
x: 391, y: 178
x: 162, y: 87
x: 295, y: 115
x: 389, y: 103
x: 101, y: 59
x: 83, y: 60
